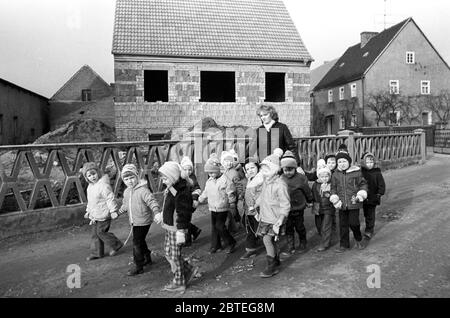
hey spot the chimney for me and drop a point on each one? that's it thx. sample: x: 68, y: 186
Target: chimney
x: 366, y: 36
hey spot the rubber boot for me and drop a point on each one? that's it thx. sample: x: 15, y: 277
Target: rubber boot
x: 270, y: 270
x: 277, y: 260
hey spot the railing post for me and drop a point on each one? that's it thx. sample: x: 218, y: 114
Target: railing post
x: 351, y: 146
x: 423, y: 145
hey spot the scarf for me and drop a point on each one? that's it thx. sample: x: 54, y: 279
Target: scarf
x: 269, y: 125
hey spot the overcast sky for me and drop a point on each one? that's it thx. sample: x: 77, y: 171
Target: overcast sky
x: 44, y: 42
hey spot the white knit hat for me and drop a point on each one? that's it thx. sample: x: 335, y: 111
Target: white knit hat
x: 273, y: 160
x: 172, y: 170
x: 130, y: 169
x: 322, y: 168
x: 186, y: 162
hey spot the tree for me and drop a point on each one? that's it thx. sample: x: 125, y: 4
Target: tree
x: 383, y: 104
x: 439, y: 105
x: 411, y: 111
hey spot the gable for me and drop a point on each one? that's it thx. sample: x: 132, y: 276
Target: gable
x: 356, y: 60
x: 85, y: 78
x: 233, y: 29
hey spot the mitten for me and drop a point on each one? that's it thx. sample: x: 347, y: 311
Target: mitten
x: 158, y: 218
x: 86, y: 215
x: 180, y: 237
x: 338, y: 205
x: 361, y: 195
x: 114, y: 215
x: 300, y: 170
x: 334, y: 199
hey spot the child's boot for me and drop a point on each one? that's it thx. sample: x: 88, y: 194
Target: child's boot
x: 270, y: 270
x: 135, y: 271
x: 148, y: 259
x: 277, y: 259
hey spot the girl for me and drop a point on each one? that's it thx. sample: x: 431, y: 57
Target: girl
x: 274, y: 208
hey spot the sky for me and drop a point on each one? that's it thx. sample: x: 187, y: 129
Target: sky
x: 44, y: 42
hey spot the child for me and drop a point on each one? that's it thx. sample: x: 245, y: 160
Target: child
x: 176, y: 216
x: 101, y: 208
x: 253, y: 189
x: 330, y: 161
x: 141, y: 205
x: 376, y: 185
x: 323, y: 209
x: 228, y: 160
x: 300, y: 194
x: 274, y: 209
x: 348, y: 191
x: 220, y: 192
x: 188, y: 166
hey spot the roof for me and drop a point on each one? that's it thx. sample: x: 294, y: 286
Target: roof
x: 5, y: 82
x: 355, y: 61
x: 84, y: 68
x: 229, y: 29
x: 319, y: 72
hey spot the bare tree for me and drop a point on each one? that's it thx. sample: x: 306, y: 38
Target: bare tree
x: 439, y: 105
x: 411, y: 110
x: 383, y: 104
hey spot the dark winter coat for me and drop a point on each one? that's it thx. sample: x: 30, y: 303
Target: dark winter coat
x: 178, y: 208
x: 325, y: 206
x: 266, y: 143
x: 376, y: 185
x: 299, y: 191
x: 347, y: 184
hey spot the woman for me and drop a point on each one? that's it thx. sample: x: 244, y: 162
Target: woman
x: 271, y: 135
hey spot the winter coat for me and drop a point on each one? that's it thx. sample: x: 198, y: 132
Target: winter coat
x: 347, y: 184
x: 236, y: 178
x: 101, y: 202
x: 177, y: 212
x: 220, y: 194
x: 266, y: 141
x: 196, y: 190
x: 376, y: 185
x: 273, y: 201
x: 252, y: 192
x: 322, y: 202
x: 299, y: 191
x: 140, y: 204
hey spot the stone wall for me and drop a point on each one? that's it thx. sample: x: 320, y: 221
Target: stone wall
x: 135, y: 118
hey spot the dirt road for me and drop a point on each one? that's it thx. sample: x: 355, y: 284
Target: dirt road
x: 411, y: 249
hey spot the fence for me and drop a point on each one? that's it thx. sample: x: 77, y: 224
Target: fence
x: 442, y: 141
x: 429, y: 131
x: 39, y: 176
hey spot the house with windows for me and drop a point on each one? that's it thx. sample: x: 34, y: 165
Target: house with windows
x: 178, y: 61
x: 23, y: 114
x: 84, y: 96
x: 397, y: 63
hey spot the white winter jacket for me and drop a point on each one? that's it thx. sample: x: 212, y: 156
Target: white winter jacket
x: 101, y: 201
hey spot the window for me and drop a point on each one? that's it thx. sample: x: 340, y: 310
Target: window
x: 330, y: 96
x: 217, y: 87
x: 427, y: 118
x: 353, y: 90
x: 342, y: 122
x: 394, y: 87
x: 341, y: 93
x: 353, y: 122
x: 156, y: 86
x: 410, y: 58
x: 425, y: 87
x: 86, y: 95
x: 275, y: 89
x: 1, y: 124
x: 394, y: 118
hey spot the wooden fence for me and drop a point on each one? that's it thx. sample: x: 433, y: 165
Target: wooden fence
x: 39, y: 176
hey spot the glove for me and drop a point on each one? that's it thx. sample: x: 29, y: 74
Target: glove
x: 300, y: 170
x: 158, y: 218
x: 114, y: 215
x: 338, y: 205
x: 359, y: 198
x: 257, y: 217
x: 180, y: 237
x: 86, y: 215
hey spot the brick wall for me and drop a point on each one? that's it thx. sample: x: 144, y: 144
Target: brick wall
x: 135, y: 118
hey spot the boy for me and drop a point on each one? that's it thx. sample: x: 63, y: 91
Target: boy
x: 140, y: 204
x: 348, y: 191
x: 300, y: 194
x: 376, y: 187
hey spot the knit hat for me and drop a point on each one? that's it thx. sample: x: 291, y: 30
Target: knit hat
x: 172, y: 170
x: 186, y: 162
x: 344, y: 155
x: 342, y: 148
x: 130, y: 169
x: 89, y: 166
x: 272, y: 161
x: 331, y: 155
x: 364, y: 156
x: 322, y: 168
x: 288, y: 160
x: 212, y: 164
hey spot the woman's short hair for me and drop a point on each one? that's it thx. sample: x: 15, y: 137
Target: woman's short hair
x: 267, y: 108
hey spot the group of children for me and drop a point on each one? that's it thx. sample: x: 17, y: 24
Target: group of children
x: 274, y: 195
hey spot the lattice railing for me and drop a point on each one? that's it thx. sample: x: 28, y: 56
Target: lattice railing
x: 37, y: 176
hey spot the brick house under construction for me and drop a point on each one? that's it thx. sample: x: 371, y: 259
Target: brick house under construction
x: 179, y: 61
